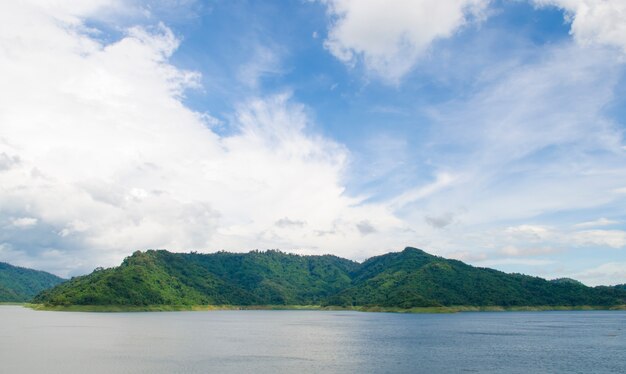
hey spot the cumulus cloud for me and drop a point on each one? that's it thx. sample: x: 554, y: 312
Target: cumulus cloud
x: 98, y: 146
x: 530, y: 240
x: 365, y: 227
x: 512, y: 151
x: 606, y: 238
x: 388, y: 37
x: 440, y: 221
x: 467, y: 256
x: 99, y: 156
x: 594, y: 21
x: 514, y: 251
x: 611, y: 273
x: 286, y: 222
x: 7, y: 162
x: 529, y: 232
x: 23, y: 222
x: 599, y: 222
x: 515, y: 261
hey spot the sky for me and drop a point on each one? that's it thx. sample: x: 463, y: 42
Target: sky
x: 490, y: 131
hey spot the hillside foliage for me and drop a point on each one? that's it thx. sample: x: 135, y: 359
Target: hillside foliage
x: 19, y: 284
x: 407, y: 279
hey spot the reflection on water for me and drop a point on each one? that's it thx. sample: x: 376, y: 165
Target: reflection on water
x: 311, y: 342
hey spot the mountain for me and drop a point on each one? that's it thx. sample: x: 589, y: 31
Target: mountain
x: 19, y: 284
x: 411, y: 278
x: 414, y: 278
x: 164, y: 278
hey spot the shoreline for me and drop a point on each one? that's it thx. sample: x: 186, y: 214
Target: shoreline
x: 370, y: 309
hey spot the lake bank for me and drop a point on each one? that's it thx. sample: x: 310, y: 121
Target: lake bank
x: 375, y: 309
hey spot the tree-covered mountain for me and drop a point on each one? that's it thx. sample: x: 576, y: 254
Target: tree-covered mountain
x: 19, y: 284
x: 414, y: 278
x: 411, y: 278
x: 164, y: 278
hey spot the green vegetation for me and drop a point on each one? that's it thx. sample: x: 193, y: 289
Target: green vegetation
x: 379, y: 309
x: 414, y: 278
x: 164, y: 278
x: 19, y: 284
x: 407, y: 281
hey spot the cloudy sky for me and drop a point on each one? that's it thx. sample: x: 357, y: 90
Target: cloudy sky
x: 490, y: 131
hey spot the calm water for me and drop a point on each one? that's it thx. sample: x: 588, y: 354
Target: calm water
x: 311, y: 342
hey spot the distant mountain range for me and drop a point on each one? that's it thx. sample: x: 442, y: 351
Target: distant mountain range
x: 19, y: 284
x: 407, y: 279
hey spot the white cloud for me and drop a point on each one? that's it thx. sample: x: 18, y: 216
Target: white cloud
x: 611, y: 273
x: 263, y: 62
x: 70, y: 11
x: 24, y: 222
x: 440, y: 221
x: 7, y: 162
x: 389, y: 36
x: 467, y: 256
x: 594, y: 21
x: 442, y: 181
x: 515, y: 251
x: 97, y: 145
x: 607, y: 238
x: 529, y: 145
x: 525, y: 138
x: 514, y: 261
x: 365, y: 228
x: 286, y: 222
x: 529, y: 232
x: 599, y: 222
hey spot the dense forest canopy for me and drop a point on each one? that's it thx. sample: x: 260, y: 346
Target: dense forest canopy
x: 19, y: 284
x: 411, y: 278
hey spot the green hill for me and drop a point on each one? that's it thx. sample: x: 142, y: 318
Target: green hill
x: 407, y: 279
x: 620, y: 287
x: 19, y: 284
x: 164, y: 278
x: 413, y: 278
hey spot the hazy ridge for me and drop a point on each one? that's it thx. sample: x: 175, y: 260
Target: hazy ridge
x: 18, y: 284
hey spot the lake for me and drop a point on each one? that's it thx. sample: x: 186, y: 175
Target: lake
x: 311, y: 342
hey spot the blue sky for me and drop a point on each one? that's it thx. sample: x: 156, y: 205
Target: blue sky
x: 488, y: 131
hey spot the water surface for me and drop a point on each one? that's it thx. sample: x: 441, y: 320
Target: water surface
x: 311, y: 342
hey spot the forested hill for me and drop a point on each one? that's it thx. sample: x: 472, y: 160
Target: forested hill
x: 164, y: 278
x: 411, y: 278
x: 19, y: 284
